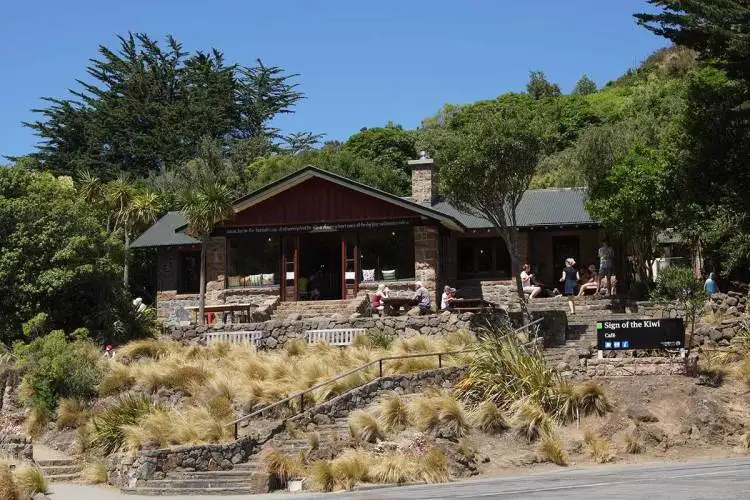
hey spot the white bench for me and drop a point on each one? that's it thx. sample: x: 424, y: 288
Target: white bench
x: 239, y: 337
x: 334, y: 336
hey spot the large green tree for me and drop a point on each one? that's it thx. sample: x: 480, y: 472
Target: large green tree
x: 145, y: 106
x: 390, y: 146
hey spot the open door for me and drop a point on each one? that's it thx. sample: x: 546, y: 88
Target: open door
x: 289, y: 268
x: 349, y: 266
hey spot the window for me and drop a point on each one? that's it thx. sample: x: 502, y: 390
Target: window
x: 252, y: 260
x: 190, y: 269
x: 387, y: 250
x: 483, y: 257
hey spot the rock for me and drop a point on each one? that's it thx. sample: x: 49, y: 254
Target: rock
x: 355, y: 316
x: 732, y: 310
x: 639, y: 413
x: 731, y: 301
x: 562, y: 366
x: 271, y: 342
x: 40, y: 496
x: 571, y: 357
x: 650, y: 434
x: 524, y: 460
x: 321, y: 419
x: 485, y: 460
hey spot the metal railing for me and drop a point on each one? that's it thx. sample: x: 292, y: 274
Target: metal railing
x: 301, y: 395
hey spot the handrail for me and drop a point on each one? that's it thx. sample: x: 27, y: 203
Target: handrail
x: 379, y: 361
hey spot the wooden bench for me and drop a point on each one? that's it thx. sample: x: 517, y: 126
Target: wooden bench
x: 244, y: 310
x: 235, y: 338
x: 333, y: 336
x: 470, y: 305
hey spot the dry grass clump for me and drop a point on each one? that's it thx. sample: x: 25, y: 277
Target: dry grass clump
x: 744, y: 370
x: 72, y: 413
x: 350, y: 468
x: 8, y: 488
x: 281, y: 467
x: 551, y: 449
x: 30, y: 481
x: 432, y: 467
x: 296, y: 347
x: 599, y: 449
x: 746, y: 440
x: 394, y: 413
x: 531, y: 421
x: 107, y: 427
x: 36, y: 420
x: 392, y: 468
x: 440, y: 414
x: 146, y: 348
x: 487, y: 417
x: 633, y: 444
x: 592, y: 399
x: 321, y: 476
x: 169, y: 427
x: 117, y: 378
x: 95, y: 472
x: 364, y: 427
x: 313, y: 440
x: 173, y: 373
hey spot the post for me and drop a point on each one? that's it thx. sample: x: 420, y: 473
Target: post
x: 440, y: 360
x: 380, y: 363
x: 301, y: 402
x: 236, y: 430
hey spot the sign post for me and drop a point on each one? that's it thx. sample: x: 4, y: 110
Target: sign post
x: 618, y: 335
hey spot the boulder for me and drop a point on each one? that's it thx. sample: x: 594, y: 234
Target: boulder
x: 639, y: 413
x: 571, y: 357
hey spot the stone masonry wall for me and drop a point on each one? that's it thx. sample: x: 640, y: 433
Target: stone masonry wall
x: 15, y: 446
x: 426, y: 257
x: 624, y: 367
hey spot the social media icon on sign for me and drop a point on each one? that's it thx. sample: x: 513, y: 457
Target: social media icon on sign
x: 608, y: 345
x: 625, y: 344
x: 617, y: 345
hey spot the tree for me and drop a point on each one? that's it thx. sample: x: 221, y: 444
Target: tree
x: 718, y: 29
x: 204, y: 200
x: 680, y: 292
x: 389, y: 146
x: 300, y: 142
x: 488, y: 165
x: 539, y: 88
x: 584, y: 86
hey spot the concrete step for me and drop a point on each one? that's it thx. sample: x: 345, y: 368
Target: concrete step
x: 63, y: 477
x: 54, y: 462
x: 146, y: 491
x: 55, y: 470
x: 203, y: 483
x: 230, y: 475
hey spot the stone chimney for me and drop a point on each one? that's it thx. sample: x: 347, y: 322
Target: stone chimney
x: 423, y: 179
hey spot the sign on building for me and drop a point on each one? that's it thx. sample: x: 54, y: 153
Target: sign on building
x: 663, y: 333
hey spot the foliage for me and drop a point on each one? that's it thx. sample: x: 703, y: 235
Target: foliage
x: 530, y: 419
x: 394, y: 413
x: 72, y: 413
x: 433, y: 466
x: 350, y: 468
x: 321, y: 476
x: 280, y: 466
x: 551, y: 449
x: 107, y: 426
x: 592, y: 399
x: 539, y: 88
x: 364, y: 427
x: 584, y: 86
x: 55, y: 367
x: 95, y: 472
x: 488, y: 418
x: 677, y: 289
x: 599, y: 449
x: 58, y: 265
x: 441, y: 415
x: 147, y: 105
x: 8, y: 488
x: 30, y: 480
x: 633, y: 444
x: 392, y: 468
x: 390, y: 147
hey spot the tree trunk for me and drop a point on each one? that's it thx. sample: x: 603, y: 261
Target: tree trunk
x: 202, y: 292
x: 511, y: 238
x: 125, y: 269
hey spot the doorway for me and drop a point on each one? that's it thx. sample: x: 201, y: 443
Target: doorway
x: 320, y: 267
x: 562, y: 248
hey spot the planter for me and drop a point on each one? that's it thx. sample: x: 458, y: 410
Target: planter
x: 294, y: 485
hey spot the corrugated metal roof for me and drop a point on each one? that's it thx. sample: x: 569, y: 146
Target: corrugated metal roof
x: 164, y: 233
x: 538, y: 207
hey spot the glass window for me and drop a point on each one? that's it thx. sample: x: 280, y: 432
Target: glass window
x: 484, y: 254
x: 251, y: 256
x: 466, y: 255
x: 387, y: 250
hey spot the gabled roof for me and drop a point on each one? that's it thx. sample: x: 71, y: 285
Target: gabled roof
x: 310, y: 171
x: 538, y: 208
x: 165, y: 232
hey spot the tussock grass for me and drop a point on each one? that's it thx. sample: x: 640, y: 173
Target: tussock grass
x: 296, y: 347
x: 364, y: 427
x: 392, y: 468
x: 8, y: 488
x: 36, y: 420
x: 350, y: 468
x: 433, y: 466
x: 95, y: 472
x: 487, y: 417
x: 551, y: 449
x: 117, y: 378
x: 592, y: 399
x: 746, y: 440
x: 321, y: 476
x: 146, y: 348
x: 633, y: 444
x: 743, y: 370
x: 530, y: 420
x: 394, y: 413
x: 72, y: 413
x: 441, y: 415
x: 30, y: 481
x: 107, y: 433
x: 599, y: 449
x: 282, y: 467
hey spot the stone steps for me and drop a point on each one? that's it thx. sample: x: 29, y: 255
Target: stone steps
x: 158, y: 492
x: 59, y: 469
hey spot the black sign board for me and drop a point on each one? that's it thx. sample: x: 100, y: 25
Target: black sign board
x: 663, y: 333
x: 323, y: 227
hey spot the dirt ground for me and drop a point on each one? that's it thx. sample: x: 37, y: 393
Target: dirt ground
x: 675, y: 419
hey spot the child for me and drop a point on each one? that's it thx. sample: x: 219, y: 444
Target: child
x: 569, y: 279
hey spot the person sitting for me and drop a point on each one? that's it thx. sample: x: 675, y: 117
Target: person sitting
x: 710, y: 287
x: 528, y: 287
x: 608, y: 286
x: 377, y: 298
x: 448, y: 295
x: 591, y: 284
x: 423, y: 296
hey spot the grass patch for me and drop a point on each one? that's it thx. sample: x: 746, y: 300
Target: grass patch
x: 36, y: 420
x: 531, y: 421
x: 296, y: 347
x: 364, y: 427
x: 551, y: 449
x: 8, y: 487
x: 95, y: 473
x: 433, y: 466
x: 488, y: 418
x: 394, y: 413
x: 633, y: 444
x: 350, y: 468
x: 392, y: 468
x: 72, y: 413
x: 441, y: 415
x: 599, y: 449
x: 117, y: 378
x: 30, y: 481
x: 146, y: 349
x: 592, y: 399
x: 313, y: 441
x: 107, y: 426
x: 321, y: 476
x: 279, y: 466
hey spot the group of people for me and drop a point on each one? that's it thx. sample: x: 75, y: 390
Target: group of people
x: 421, y: 296
x: 571, y: 278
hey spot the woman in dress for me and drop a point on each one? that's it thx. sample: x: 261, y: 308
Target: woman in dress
x: 378, y: 296
x: 570, y: 279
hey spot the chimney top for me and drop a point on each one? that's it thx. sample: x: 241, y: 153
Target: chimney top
x: 423, y: 179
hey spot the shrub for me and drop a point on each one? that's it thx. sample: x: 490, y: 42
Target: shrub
x: 364, y: 427
x: 633, y: 444
x: 279, y: 466
x: 392, y: 468
x: 433, y: 466
x: 441, y: 415
x: 8, y: 487
x: 54, y: 367
x: 599, y: 449
x: 72, y: 413
x: 30, y: 481
x: 487, y: 417
x: 350, y: 468
x: 146, y: 348
x: 95, y: 473
x: 107, y: 427
x: 394, y: 413
x: 531, y: 420
x: 551, y: 450
x: 592, y: 399
x: 117, y: 378
x: 567, y: 405
x: 313, y: 440
x: 321, y: 476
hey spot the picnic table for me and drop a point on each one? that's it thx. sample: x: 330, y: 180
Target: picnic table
x: 470, y: 305
x: 225, y: 309
x: 393, y: 305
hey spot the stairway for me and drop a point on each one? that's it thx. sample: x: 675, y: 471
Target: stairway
x: 316, y: 308
x: 59, y: 469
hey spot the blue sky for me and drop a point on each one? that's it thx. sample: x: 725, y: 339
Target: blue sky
x: 360, y: 63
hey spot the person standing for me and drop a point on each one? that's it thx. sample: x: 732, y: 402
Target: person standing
x: 710, y: 287
x: 570, y: 279
x: 606, y: 267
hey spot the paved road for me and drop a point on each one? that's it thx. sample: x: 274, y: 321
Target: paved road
x: 705, y: 480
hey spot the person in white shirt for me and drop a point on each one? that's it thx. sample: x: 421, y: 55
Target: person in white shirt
x: 528, y: 287
x: 447, y: 297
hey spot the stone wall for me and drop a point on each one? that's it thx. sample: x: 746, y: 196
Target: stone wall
x: 15, y: 446
x: 426, y: 258
x: 502, y: 293
x: 170, y: 307
x: 275, y: 333
x: 624, y: 367
x: 730, y: 304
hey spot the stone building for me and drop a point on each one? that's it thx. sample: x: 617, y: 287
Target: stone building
x: 317, y: 235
